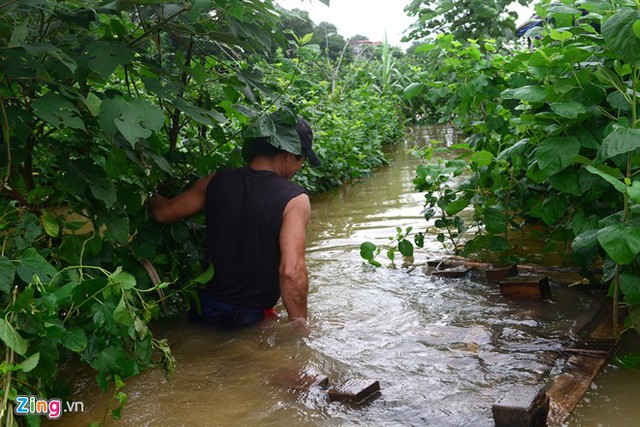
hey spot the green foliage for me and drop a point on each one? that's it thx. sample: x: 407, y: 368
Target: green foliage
x: 103, y: 103
x: 552, y: 138
x: 399, y: 243
x: 467, y: 19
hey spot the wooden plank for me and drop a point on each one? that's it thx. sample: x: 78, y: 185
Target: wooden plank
x: 498, y: 273
x: 526, y: 287
x: 569, y: 387
x: 355, y: 391
x: 589, y: 355
x: 452, y: 273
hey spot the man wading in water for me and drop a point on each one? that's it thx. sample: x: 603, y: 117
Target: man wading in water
x: 256, y: 221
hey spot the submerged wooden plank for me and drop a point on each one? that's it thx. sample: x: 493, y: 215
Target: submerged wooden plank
x: 569, y: 387
x: 355, y: 391
x: 589, y: 353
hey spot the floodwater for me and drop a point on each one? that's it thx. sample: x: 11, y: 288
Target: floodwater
x: 443, y: 350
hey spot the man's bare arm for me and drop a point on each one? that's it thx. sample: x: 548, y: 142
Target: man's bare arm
x: 185, y: 204
x: 294, y: 281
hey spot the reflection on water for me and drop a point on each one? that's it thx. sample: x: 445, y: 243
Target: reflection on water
x: 443, y: 349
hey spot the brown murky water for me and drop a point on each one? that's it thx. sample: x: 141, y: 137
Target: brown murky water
x: 443, y: 349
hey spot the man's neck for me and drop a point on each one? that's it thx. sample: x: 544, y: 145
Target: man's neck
x: 263, y: 163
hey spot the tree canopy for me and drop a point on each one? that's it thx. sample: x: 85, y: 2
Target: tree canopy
x: 465, y: 19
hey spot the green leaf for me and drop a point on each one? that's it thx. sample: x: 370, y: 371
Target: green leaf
x: 630, y: 287
x: 633, y: 191
x: 566, y: 182
x: 11, y: 338
x: 560, y: 35
x: 456, y: 206
x: 50, y: 223
x: 391, y: 254
x: 494, y: 220
x: 134, y: 119
x: 413, y: 90
x: 261, y: 126
x: 585, y: 240
x: 617, y: 184
x: 57, y: 111
x: 286, y: 138
x: 526, y: 93
x: 64, y: 293
x: 114, y: 360
x: 206, y: 276
x: 117, y: 228
x: 30, y: 362
x: 141, y: 328
x: 621, y: 141
x: 33, y: 264
x: 19, y: 34
x: 121, y: 314
x: 608, y: 76
x: 7, y: 274
x: 419, y: 239
x: 405, y: 247
x: 621, y: 242
x: 75, y: 340
x: 619, y: 36
x: 366, y: 250
x: 198, y: 114
x: 570, y: 109
x: 581, y: 223
x: 93, y: 103
x: 553, y: 209
x: 103, y: 189
x: 556, y: 153
x: 586, y: 139
x: 636, y: 28
x: 482, y: 158
x: 618, y: 101
x: 104, y: 56
x: 516, y: 150
x: 123, y: 279
x: 557, y: 8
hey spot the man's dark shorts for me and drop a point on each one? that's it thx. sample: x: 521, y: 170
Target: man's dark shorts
x: 218, y: 313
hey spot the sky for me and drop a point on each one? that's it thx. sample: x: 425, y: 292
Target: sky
x: 370, y: 18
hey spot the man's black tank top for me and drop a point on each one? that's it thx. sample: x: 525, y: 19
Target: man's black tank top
x: 244, y: 210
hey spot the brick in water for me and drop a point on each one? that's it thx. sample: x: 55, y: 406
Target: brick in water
x: 522, y: 407
x: 526, y: 287
x: 355, y: 391
x: 452, y: 273
x: 498, y: 273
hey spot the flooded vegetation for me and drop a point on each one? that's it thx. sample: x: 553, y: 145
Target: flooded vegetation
x: 444, y: 350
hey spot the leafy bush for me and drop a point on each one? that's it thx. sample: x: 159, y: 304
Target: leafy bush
x: 102, y: 103
x: 552, y: 138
